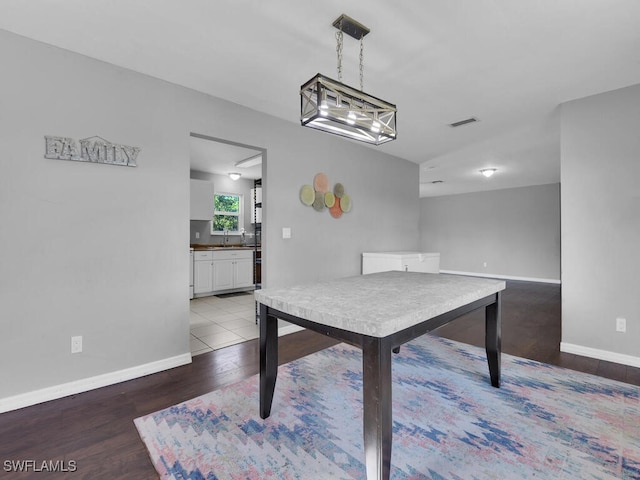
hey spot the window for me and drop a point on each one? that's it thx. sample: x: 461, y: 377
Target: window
x: 227, y: 213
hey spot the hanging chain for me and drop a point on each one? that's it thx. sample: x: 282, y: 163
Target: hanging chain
x: 362, y: 63
x: 339, y: 52
x: 339, y: 43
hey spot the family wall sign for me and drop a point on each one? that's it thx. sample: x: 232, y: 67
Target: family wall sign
x: 92, y: 149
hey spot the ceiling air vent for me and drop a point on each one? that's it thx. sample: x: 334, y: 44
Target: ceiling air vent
x: 463, y: 122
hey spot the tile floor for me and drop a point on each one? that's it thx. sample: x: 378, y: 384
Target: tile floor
x: 222, y: 320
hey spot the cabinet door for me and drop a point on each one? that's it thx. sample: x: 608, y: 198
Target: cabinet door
x: 201, y: 200
x: 202, y: 276
x: 243, y: 272
x: 222, y: 274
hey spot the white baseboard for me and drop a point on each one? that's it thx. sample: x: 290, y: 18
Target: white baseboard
x: 504, y: 277
x: 600, y: 354
x: 28, y: 399
x: 78, y: 386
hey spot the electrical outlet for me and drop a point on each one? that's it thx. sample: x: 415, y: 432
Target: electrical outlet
x: 76, y: 344
x: 621, y: 324
x: 197, y: 235
x: 484, y: 264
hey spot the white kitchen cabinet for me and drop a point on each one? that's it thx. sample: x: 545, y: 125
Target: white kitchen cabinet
x: 202, y: 272
x: 243, y: 275
x: 223, y: 275
x: 256, y: 212
x: 191, y: 273
x: 222, y: 271
x: 402, y: 261
x: 201, y: 200
x: 232, y: 269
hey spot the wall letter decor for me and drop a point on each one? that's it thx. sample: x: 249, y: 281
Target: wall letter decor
x: 92, y: 149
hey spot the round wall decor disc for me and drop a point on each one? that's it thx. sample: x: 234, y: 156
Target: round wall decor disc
x: 345, y: 203
x: 329, y: 199
x: 321, y: 183
x: 336, y: 211
x: 318, y: 203
x: 307, y: 195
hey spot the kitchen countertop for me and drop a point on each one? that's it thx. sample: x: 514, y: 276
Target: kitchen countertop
x: 201, y: 247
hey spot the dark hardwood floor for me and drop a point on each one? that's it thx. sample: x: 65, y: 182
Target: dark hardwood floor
x: 95, y: 429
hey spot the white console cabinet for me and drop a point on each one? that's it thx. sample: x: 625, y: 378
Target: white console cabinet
x: 373, y: 262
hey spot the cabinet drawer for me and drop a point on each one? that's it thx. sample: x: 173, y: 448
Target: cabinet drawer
x: 232, y: 254
x: 202, y: 256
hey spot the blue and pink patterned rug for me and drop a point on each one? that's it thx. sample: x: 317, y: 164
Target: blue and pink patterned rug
x: 544, y: 422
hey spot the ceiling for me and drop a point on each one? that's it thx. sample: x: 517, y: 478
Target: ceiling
x: 508, y: 63
x: 211, y: 156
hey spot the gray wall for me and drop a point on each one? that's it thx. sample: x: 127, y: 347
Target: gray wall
x: 515, y: 231
x: 600, y: 176
x: 384, y: 216
x: 102, y: 251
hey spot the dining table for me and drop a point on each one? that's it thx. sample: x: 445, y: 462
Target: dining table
x: 377, y: 313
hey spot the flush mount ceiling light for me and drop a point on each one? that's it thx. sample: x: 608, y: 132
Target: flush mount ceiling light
x: 333, y: 107
x: 234, y: 175
x: 487, y: 172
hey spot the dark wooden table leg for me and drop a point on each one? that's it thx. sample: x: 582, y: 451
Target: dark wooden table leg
x: 376, y: 379
x: 493, y: 326
x: 268, y: 359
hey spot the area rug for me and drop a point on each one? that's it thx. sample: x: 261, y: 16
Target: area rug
x: 544, y: 422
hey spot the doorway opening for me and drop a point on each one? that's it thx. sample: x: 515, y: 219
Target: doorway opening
x: 226, y: 223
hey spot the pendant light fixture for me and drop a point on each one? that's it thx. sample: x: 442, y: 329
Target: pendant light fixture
x: 333, y: 107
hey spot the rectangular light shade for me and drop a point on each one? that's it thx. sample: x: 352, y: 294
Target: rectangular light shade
x: 334, y: 107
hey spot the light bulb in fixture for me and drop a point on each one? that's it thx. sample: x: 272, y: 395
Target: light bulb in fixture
x: 351, y: 118
x: 487, y: 172
x: 235, y: 176
x: 324, y: 106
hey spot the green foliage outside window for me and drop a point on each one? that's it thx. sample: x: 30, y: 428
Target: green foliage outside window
x: 225, y: 222
x: 227, y: 203
x: 227, y: 213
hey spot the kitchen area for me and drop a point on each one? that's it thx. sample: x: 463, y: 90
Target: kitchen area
x: 225, y: 242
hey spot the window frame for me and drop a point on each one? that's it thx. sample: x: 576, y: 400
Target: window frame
x: 239, y: 214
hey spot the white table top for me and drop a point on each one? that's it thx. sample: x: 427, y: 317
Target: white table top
x: 379, y: 304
